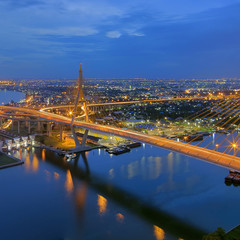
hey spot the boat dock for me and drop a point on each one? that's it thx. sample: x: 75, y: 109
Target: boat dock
x: 123, y: 148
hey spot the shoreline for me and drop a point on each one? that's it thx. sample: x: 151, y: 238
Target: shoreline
x: 12, y: 164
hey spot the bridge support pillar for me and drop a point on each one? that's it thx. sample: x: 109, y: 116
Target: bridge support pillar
x: 29, y: 127
x: 42, y: 127
x: 48, y: 128
x: 80, y: 147
x: 38, y: 126
x: 84, y: 139
x: 61, y: 132
x: 12, y: 125
x: 1, y: 145
x: 18, y: 126
x: 77, y: 143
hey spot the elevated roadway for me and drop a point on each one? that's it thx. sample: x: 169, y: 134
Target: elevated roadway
x: 106, y: 104
x: 212, y: 156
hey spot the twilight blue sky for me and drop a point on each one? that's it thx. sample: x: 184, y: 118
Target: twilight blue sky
x: 112, y: 38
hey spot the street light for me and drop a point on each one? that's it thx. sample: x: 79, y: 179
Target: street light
x: 234, y: 147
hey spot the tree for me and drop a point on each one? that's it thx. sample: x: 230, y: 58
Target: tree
x: 219, y: 234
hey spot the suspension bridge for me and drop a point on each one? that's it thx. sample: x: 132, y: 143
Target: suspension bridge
x: 225, y: 114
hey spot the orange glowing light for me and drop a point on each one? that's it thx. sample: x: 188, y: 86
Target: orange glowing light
x: 43, y: 154
x: 120, y: 217
x: 81, y: 194
x: 27, y: 162
x: 158, y: 233
x: 29, y: 99
x: 35, y: 164
x: 234, y: 145
x: 20, y: 153
x: 69, y: 182
x: 56, y: 175
x: 102, y: 204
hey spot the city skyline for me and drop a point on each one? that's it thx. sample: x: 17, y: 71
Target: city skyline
x: 48, y: 39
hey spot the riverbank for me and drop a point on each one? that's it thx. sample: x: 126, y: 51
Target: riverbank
x: 234, y: 233
x: 8, y: 161
x: 62, y: 147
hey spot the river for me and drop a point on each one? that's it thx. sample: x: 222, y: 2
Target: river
x: 8, y: 96
x: 148, y: 193
x: 114, y: 197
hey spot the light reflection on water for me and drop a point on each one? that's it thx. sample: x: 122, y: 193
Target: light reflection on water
x: 69, y: 182
x: 180, y: 185
x: 56, y: 175
x: 35, y: 164
x: 102, y: 204
x: 120, y: 217
x: 159, y: 233
x: 59, y: 191
x: 43, y: 154
x: 27, y: 163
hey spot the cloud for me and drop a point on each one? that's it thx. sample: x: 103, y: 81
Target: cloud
x: 65, y: 31
x: 134, y: 32
x: 94, y: 9
x: 137, y: 34
x: 113, y: 34
x: 14, y: 4
x: 158, y: 29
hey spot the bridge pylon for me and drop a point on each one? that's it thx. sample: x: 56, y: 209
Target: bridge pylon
x: 80, y: 99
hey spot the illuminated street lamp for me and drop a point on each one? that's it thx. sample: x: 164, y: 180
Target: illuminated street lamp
x: 234, y: 147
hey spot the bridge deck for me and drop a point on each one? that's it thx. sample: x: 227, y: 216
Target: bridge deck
x: 212, y: 156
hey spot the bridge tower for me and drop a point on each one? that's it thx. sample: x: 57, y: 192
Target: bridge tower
x: 80, y: 99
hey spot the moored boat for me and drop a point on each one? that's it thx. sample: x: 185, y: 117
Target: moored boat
x: 233, y: 177
x: 70, y: 156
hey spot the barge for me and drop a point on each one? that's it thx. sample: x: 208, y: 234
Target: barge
x: 123, y: 148
x: 118, y: 150
x: 233, y: 177
x: 133, y: 145
x: 191, y: 138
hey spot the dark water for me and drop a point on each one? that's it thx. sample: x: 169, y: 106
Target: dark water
x: 149, y: 193
x: 8, y: 96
